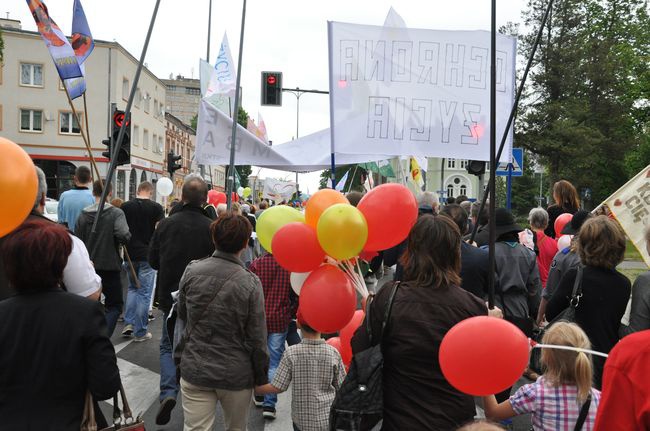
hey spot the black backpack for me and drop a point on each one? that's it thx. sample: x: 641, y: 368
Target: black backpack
x: 359, y: 403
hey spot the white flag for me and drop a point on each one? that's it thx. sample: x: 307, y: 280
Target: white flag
x: 278, y: 190
x: 224, y: 79
x: 341, y: 184
x: 631, y: 206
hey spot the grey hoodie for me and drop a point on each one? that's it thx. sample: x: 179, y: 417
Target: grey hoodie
x: 112, y: 230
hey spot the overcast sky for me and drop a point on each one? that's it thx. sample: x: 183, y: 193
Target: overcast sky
x: 281, y: 35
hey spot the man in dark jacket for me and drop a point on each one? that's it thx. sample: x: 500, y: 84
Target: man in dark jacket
x: 178, y: 240
x: 104, y: 248
x: 474, y: 267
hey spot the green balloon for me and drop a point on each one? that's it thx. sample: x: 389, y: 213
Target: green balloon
x: 272, y: 220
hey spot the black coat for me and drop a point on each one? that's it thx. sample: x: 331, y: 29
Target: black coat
x: 178, y: 240
x: 474, y: 270
x: 416, y: 394
x: 54, y: 347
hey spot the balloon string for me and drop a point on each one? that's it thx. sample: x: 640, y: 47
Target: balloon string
x: 575, y: 349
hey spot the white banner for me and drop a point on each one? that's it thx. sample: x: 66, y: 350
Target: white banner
x: 278, y: 190
x: 631, y: 207
x: 417, y: 92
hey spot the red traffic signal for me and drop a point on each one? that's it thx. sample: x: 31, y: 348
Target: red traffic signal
x: 271, y: 89
x: 271, y: 80
x: 118, y: 118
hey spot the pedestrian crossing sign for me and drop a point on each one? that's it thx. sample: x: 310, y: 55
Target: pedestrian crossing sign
x: 517, y: 164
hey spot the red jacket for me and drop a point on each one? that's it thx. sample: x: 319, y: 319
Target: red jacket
x: 625, y: 402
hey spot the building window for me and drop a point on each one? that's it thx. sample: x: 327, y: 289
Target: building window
x: 68, y: 124
x: 138, y: 98
x: 31, y: 120
x: 154, y: 143
x: 145, y: 139
x: 133, y: 179
x: 193, y: 91
x: 155, y: 108
x: 161, y: 145
x: 136, y: 135
x: 451, y: 163
x: 125, y: 89
x: 31, y: 74
x: 450, y: 190
x: 463, y: 163
x: 121, y: 184
x: 147, y: 102
x: 463, y: 190
x: 143, y: 176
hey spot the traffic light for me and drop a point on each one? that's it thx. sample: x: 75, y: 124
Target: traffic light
x: 272, y: 88
x: 124, y: 154
x: 475, y: 167
x: 172, y: 166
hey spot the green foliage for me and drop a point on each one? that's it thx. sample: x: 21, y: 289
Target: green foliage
x: 525, y: 189
x: 586, y: 102
x: 2, y: 47
x: 244, y: 171
x: 194, y: 121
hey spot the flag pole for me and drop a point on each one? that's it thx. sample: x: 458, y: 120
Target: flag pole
x: 88, y: 129
x: 115, y: 149
x: 81, y: 129
x: 493, y: 150
x: 233, y: 142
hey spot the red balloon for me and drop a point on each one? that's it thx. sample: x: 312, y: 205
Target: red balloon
x: 368, y: 255
x: 560, y: 222
x: 327, y: 299
x: 296, y: 247
x: 215, y: 197
x: 390, y: 211
x: 335, y: 342
x: 503, y: 350
x: 346, y: 335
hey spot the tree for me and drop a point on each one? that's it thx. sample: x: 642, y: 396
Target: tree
x: 194, y: 121
x: 354, y: 181
x: 2, y: 47
x: 524, y: 189
x: 581, y: 113
x: 244, y: 171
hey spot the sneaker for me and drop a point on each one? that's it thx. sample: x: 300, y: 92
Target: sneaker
x: 268, y: 412
x: 258, y: 400
x: 165, y: 411
x: 127, y: 331
x: 145, y: 337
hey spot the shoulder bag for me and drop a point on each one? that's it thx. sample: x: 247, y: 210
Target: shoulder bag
x: 123, y: 420
x: 567, y: 315
x: 359, y: 403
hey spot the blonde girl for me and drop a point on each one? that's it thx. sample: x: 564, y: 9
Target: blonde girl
x: 556, y: 399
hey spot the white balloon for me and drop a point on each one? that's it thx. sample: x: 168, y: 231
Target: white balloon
x: 297, y: 280
x: 240, y: 191
x: 564, y: 242
x: 164, y: 187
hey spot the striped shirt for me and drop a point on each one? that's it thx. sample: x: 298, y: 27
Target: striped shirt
x: 553, y: 407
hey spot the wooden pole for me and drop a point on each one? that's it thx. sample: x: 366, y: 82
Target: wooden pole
x: 81, y: 129
x: 86, y: 120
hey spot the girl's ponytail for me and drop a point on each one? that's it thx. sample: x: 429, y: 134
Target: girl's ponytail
x: 583, y: 375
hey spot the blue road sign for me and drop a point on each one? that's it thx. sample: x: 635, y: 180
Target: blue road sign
x: 517, y: 164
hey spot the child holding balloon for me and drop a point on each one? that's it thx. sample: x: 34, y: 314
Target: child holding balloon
x: 561, y: 399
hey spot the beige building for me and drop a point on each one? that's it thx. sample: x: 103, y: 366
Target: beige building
x: 34, y: 111
x: 183, y: 97
x: 180, y: 139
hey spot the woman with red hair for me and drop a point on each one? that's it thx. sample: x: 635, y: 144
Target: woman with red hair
x: 54, y: 344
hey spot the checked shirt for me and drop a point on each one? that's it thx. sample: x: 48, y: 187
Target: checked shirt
x: 276, y: 283
x: 553, y: 407
x: 316, y: 372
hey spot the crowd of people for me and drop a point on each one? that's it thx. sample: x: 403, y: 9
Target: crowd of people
x: 234, y: 334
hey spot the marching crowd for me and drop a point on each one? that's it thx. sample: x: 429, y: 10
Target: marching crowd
x: 235, y: 335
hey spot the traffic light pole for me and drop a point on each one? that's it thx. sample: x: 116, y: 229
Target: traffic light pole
x: 233, y: 141
x: 298, y: 92
x: 127, y: 118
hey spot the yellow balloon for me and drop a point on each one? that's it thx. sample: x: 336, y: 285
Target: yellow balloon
x: 342, y: 231
x: 272, y: 220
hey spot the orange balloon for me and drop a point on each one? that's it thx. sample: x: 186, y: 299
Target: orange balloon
x: 18, y: 186
x: 319, y: 202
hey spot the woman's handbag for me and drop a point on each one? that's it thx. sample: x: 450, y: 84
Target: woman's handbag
x: 359, y: 403
x: 123, y: 420
x: 566, y: 315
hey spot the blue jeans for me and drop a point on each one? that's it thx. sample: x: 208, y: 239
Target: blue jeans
x: 275, y: 343
x: 168, y: 385
x: 138, y: 300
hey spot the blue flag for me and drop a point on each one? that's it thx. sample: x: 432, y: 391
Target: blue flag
x: 60, y: 49
x: 83, y: 44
